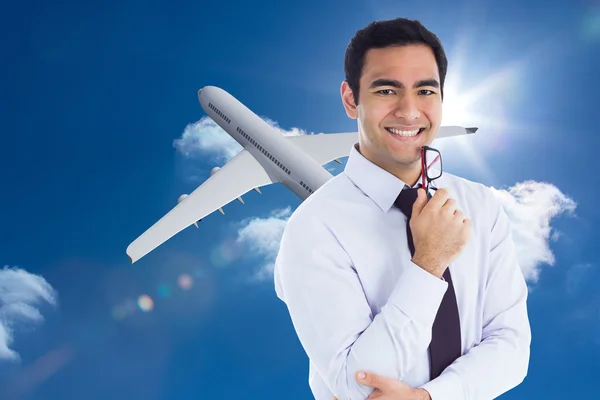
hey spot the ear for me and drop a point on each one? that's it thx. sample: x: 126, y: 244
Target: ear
x: 348, y: 100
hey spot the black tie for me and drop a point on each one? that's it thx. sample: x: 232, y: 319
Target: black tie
x: 445, y: 344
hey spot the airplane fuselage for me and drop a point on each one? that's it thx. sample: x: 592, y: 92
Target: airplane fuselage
x: 282, y: 159
x: 268, y: 157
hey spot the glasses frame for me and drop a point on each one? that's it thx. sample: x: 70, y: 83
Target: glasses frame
x: 426, y: 179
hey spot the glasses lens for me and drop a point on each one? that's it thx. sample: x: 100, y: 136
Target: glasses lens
x: 433, y: 161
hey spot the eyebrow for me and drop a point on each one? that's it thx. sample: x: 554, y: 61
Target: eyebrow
x: 400, y: 85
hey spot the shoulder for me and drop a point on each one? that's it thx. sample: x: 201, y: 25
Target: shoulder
x: 475, y: 196
x: 311, y: 231
x: 464, y: 187
x: 325, y: 202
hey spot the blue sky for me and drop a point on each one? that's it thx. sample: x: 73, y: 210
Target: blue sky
x: 102, y: 131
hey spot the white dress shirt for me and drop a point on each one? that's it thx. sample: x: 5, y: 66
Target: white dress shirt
x: 358, y: 302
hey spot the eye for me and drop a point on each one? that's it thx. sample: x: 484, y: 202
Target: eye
x: 385, y: 90
x: 426, y: 90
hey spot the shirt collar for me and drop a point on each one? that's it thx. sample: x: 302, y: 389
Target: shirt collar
x: 378, y: 184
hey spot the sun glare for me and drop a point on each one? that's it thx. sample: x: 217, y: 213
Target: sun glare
x: 455, y: 109
x: 485, y: 106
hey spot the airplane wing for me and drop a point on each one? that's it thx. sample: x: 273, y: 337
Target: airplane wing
x: 326, y: 147
x: 241, y: 174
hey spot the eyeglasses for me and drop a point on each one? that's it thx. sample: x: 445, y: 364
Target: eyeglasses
x: 431, y: 167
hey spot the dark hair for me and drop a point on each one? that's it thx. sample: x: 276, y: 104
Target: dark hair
x: 395, y: 32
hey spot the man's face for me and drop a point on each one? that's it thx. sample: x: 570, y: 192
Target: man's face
x: 399, y: 95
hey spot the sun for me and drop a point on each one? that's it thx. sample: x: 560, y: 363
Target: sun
x: 483, y: 105
x: 455, y: 109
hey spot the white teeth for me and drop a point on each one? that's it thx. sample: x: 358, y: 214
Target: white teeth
x: 404, y: 133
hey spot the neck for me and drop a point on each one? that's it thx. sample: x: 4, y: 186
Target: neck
x: 410, y: 175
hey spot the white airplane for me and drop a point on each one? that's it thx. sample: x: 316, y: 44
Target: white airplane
x: 267, y: 157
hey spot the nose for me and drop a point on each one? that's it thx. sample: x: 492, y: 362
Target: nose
x: 407, y: 108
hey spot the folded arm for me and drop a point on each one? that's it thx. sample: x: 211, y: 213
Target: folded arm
x: 333, y: 320
x: 500, y: 362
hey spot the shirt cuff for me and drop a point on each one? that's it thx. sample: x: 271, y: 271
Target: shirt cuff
x: 418, y: 293
x: 447, y: 386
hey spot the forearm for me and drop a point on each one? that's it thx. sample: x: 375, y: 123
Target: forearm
x: 334, y: 322
x: 341, y: 336
x: 500, y: 362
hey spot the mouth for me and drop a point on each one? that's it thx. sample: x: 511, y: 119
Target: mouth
x: 404, y: 134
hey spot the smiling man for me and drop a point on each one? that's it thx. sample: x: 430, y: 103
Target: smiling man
x: 422, y: 292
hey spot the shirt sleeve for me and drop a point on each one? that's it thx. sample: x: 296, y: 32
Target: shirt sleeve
x: 500, y: 362
x: 315, y: 277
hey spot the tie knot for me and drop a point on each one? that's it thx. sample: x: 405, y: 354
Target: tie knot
x: 406, y: 199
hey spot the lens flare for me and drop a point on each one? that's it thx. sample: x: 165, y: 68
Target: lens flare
x: 185, y: 281
x: 591, y: 24
x: 164, y: 290
x: 145, y: 303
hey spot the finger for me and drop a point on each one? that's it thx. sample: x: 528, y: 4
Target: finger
x: 420, y: 202
x: 449, y: 206
x: 458, y: 215
x: 373, y: 380
x: 439, y: 198
x: 466, y: 228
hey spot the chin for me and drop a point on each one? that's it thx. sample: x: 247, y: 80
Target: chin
x: 407, y: 157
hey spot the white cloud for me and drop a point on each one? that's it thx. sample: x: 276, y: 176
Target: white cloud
x: 20, y: 293
x: 206, y: 138
x: 531, y: 206
x: 262, y: 236
x: 292, y: 132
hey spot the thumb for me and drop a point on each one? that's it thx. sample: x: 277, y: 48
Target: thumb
x: 420, y: 202
x: 372, y: 380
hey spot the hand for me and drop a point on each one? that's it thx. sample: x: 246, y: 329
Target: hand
x: 440, y: 231
x: 389, y: 388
